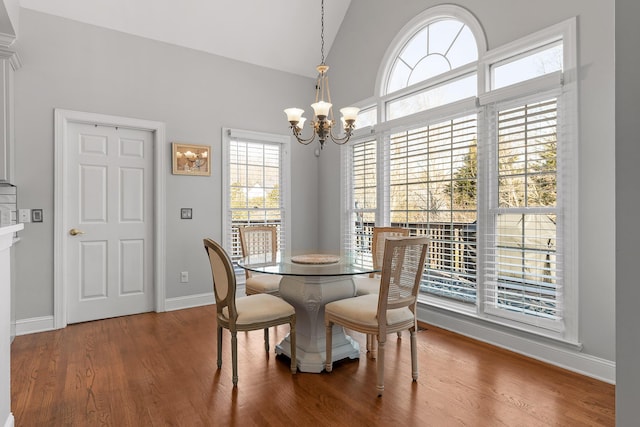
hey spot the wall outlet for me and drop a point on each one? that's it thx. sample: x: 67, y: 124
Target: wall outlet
x: 24, y: 215
x: 184, y: 277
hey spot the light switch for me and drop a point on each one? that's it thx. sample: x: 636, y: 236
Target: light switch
x: 36, y: 215
x: 24, y: 215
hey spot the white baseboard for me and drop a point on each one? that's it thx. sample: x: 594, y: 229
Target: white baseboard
x: 189, y: 301
x: 33, y: 325
x: 566, y: 358
x: 10, y: 421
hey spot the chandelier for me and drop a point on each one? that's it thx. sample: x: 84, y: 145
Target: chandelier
x: 323, y: 122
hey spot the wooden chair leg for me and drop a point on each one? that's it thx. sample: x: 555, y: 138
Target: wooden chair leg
x: 234, y: 356
x: 266, y: 340
x: 374, y: 347
x: 328, y: 364
x: 219, y: 347
x: 292, y: 341
x: 414, y: 355
x: 380, y: 365
x: 399, y: 335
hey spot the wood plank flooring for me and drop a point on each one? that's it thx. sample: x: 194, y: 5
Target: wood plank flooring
x: 159, y: 369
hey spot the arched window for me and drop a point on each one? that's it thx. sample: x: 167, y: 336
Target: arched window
x: 440, y: 46
x: 472, y: 148
x: 432, y: 62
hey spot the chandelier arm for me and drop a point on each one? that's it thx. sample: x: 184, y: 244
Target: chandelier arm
x: 340, y: 140
x: 303, y: 141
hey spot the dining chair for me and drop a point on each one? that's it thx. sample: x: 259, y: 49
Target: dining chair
x: 248, y: 313
x: 392, y: 310
x: 371, y: 284
x: 258, y: 240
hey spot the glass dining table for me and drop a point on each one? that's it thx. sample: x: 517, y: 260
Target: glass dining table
x: 308, y: 283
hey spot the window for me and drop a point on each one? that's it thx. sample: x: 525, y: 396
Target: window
x: 481, y: 166
x: 256, y: 179
x: 433, y: 97
x: 367, y: 117
x: 363, y: 199
x: 438, y: 47
x: 525, y: 67
x: 433, y: 192
x: 524, y: 278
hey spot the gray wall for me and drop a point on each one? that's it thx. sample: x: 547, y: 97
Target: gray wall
x: 81, y: 67
x: 627, y: 207
x: 356, y: 56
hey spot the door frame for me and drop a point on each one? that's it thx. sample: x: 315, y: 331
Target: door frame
x: 62, y: 119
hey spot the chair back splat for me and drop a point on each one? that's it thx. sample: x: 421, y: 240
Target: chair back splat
x: 402, y: 270
x: 260, y: 240
x: 371, y: 284
x: 224, y: 283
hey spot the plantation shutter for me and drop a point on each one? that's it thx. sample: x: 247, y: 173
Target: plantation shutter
x: 523, y: 262
x: 433, y: 192
x: 257, y: 186
x: 361, y: 199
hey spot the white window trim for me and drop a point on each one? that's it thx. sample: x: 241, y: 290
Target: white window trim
x: 565, y: 31
x: 488, y: 175
x: 563, y: 84
x: 285, y: 141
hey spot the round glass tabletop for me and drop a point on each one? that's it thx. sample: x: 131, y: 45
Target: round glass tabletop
x: 284, y: 266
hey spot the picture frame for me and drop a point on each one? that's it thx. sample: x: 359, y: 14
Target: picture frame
x: 191, y: 159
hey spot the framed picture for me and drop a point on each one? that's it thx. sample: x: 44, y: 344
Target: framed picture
x: 189, y: 159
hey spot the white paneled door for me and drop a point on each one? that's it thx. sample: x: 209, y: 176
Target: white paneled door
x: 109, y: 260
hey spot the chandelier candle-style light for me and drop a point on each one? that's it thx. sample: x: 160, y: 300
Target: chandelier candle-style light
x: 322, y: 122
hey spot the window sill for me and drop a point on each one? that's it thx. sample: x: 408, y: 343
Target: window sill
x: 458, y: 312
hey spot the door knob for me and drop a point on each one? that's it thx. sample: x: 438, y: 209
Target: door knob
x: 75, y: 232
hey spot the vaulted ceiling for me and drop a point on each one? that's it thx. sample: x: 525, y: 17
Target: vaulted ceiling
x: 279, y: 34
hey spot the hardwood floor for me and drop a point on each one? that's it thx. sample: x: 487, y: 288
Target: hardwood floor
x: 160, y: 369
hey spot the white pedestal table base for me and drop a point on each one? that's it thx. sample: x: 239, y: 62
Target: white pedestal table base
x: 309, y: 295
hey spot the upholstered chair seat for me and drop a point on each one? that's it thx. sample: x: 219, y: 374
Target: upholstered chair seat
x: 263, y: 284
x: 367, y: 285
x: 363, y: 311
x: 259, y: 308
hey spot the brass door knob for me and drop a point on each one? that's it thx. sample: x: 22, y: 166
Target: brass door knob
x: 75, y: 232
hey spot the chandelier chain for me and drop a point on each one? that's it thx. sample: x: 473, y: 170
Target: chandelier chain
x: 322, y: 31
